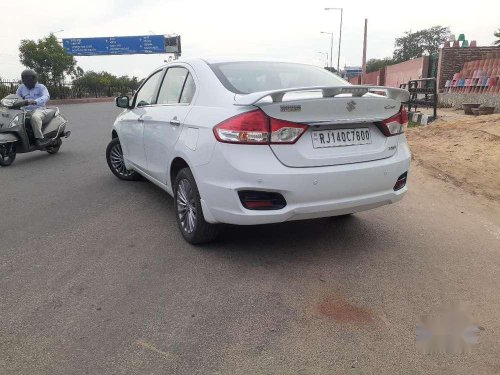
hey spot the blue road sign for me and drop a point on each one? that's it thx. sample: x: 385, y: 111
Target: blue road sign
x: 115, y: 45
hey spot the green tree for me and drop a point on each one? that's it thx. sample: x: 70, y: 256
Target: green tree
x: 78, y: 73
x: 104, y: 83
x: 497, y: 35
x: 48, y: 58
x: 373, y: 65
x: 418, y: 43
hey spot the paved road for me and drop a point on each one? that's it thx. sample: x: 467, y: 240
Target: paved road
x: 95, y: 278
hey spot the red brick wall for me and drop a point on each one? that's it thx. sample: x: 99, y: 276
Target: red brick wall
x: 355, y: 80
x: 405, y: 71
x: 451, y: 60
x: 374, y: 78
x: 393, y: 75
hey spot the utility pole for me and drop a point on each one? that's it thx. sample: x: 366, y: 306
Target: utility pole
x: 331, y: 51
x: 364, y: 54
x: 340, y: 36
x: 340, y: 41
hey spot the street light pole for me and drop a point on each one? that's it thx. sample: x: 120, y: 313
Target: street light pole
x: 54, y: 33
x: 331, y: 46
x: 325, y: 53
x: 340, y: 34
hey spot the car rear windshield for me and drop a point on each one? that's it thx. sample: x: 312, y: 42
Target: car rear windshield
x: 251, y: 76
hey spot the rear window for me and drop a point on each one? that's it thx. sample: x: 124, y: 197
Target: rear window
x: 250, y: 76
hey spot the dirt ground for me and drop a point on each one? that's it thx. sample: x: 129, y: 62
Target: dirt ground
x: 463, y: 150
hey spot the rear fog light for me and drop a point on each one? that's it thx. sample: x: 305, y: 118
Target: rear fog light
x: 261, y: 200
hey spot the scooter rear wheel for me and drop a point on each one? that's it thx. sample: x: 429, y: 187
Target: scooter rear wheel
x: 7, y: 154
x: 54, y: 149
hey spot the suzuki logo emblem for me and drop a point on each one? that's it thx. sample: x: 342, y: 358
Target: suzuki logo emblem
x: 351, y: 106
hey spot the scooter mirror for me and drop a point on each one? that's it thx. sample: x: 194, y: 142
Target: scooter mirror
x: 122, y: 102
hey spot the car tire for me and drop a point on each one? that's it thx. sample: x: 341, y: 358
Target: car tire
x: 114, y: 157
x: 188, y: 211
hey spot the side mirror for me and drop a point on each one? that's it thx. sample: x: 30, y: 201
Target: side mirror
x: 123, y: 102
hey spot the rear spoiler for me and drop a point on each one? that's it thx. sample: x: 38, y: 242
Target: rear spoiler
x: 328, y: 92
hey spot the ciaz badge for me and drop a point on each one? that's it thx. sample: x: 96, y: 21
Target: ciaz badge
x: 290, y: 108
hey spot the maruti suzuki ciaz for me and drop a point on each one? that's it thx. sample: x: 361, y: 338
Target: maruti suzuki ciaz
x: 253, y: 142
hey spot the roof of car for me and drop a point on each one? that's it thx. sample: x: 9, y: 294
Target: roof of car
x: 218, y: 60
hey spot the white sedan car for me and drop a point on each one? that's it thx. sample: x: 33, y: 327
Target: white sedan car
x: 256, y: 142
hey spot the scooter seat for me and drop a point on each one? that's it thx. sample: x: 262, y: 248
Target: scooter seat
x: 49, y: 115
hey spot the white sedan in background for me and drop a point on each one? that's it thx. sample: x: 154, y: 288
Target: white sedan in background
x: 256, y: 142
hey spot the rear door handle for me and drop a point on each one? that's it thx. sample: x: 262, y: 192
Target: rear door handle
x: 140, y: 119
x: 175, y: 122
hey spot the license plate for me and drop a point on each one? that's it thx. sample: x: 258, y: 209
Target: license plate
x: 341, y: 137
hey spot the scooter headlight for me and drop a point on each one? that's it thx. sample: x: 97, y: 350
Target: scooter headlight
x: 18, y: 120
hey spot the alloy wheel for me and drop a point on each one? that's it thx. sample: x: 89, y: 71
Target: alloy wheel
x: 186, y: 206
x: 116, y: 158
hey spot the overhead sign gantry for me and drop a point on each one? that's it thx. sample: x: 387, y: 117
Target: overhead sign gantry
x: 123, y: 45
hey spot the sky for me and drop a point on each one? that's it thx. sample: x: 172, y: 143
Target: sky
x: 282, y: 29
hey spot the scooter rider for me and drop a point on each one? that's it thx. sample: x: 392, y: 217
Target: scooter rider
x: 36, y: 96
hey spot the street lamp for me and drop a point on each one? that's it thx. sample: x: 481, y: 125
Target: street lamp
x: 58, y: 31
x: 331, y: 45
x: 340, y: 36
x: 325, y: 53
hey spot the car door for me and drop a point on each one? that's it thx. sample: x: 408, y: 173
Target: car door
x: 164, y: 122
x: 132, y: 122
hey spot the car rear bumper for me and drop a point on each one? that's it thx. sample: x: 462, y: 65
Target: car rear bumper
x: 309, y: 192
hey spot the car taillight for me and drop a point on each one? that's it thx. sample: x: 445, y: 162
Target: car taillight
x: 285, y: 131
x: 255, y: 127
x: 394, y: 125
x: 248, y: 128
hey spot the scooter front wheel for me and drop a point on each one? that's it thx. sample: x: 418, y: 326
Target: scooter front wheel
x: 7, y: 154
